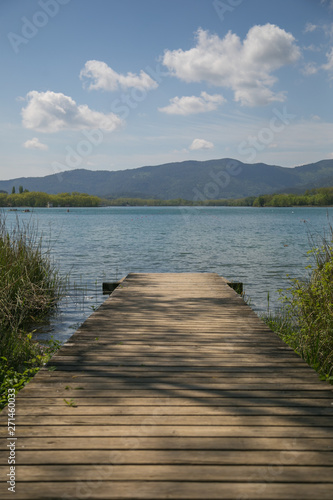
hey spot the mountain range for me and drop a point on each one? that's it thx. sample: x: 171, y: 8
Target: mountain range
x: 190, y: 180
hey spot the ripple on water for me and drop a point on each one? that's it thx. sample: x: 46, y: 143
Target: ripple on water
x: 242, y: 244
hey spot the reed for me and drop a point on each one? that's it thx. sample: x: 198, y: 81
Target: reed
x: 30, y: 283
x: 30, y: 288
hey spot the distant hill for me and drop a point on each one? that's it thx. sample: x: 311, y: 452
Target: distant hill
x: 191, y: 180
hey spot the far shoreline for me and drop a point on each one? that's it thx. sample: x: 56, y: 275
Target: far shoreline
x: 26, y: 200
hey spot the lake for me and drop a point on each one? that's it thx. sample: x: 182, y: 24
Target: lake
x: 257, y: 246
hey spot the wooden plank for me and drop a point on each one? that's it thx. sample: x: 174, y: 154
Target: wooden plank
x: 192, y: 377
x: 201, y: 472
x: 198, y: 360
x: 127, y: 409
x: 176, y: 385
x: 102, y: 489
x: 171, y: 457
x: 146, y: 428
x: 261, y: 444
x: 176, y: 420
x: 231, y: 400
x: 233, y: 371
x: 185, y: 336
x: 166, y: 371
x: 161, y: 352
x: 74, y: 365
x: 189, y: 393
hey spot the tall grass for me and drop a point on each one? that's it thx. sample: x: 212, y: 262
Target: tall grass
x: 305, y: 321
x: 30, y: 283
x: 30, y: 287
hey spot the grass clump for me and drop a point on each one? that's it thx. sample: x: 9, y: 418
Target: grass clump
x: 30, y: 288
x: 305, y: 321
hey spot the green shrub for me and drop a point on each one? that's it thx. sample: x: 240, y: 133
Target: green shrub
x: 305, y: 321
x: 16, y: 375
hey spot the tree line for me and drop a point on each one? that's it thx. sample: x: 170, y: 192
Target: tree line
x: 38, y: 199
x: 315, y: 197
x: 319, y: 197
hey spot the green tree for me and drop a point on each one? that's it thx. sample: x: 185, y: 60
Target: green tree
x: 13, y: 190
x: 20, y: 189
x: 3, y: 199
x: 262, y: 200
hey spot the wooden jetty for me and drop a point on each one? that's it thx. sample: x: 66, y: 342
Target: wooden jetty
x: 173, y: 389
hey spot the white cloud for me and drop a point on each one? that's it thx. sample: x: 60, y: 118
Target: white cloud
x: 201, y: 144
x: 309, y: 27
x: 329, y: 65
x: 51, y: 112
x: 329, y: 3
x: 312, y: 48
x: 245, y: 67
x: 105, y: 78
x: 328, y: 30
x: 310, y: 69
x: 188, y: 105
x: 34, y: 143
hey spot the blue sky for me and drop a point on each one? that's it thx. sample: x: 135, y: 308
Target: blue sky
x: 116, y: 84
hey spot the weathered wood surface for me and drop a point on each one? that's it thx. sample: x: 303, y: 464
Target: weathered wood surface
x: 179, y: 392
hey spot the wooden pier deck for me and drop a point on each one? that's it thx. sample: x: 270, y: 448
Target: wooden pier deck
x: 175, y: 389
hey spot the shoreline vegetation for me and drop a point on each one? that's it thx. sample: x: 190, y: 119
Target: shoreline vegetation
x: 305, y: 320
x: 319, y: 197
x: 30, y: 288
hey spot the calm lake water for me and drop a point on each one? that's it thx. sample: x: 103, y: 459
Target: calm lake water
x: 257, y: 246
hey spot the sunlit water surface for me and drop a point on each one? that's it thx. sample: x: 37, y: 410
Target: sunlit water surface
x: 256, y: 246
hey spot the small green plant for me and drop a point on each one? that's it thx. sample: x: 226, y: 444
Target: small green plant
x: 51, y: 368
x: 71, y: 403
x: 11, y: 379
x: 16, y: 378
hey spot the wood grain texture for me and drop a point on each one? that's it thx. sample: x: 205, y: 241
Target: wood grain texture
x: 173, y: 389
